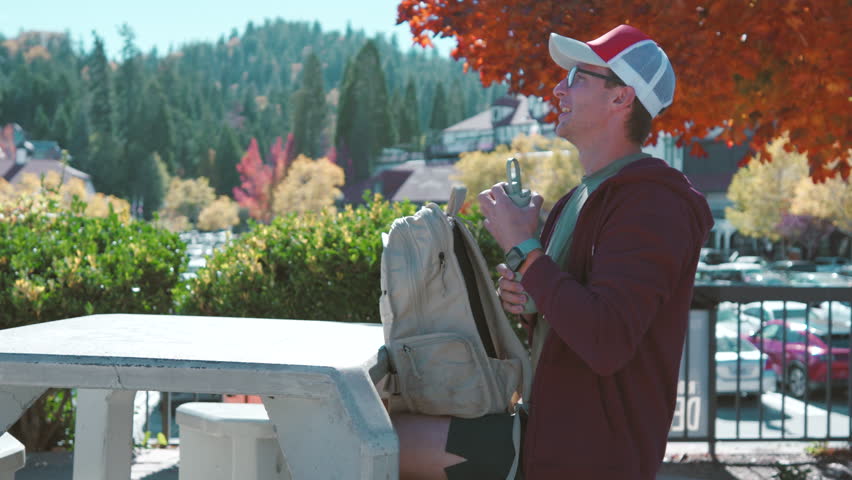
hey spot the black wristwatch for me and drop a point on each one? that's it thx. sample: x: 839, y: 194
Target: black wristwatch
x: 516, y: 256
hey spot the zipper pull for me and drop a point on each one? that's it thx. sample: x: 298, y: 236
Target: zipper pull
x: 443, y: 267
x: 407, y: 351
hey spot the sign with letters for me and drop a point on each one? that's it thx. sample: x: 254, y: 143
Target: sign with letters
x: 693, y: 393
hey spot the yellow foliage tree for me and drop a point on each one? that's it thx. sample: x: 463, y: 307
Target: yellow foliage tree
x: 549, y: 166
x: 186, y: 198
x: 763, y: 191
x: 310, y: 186
x: 34, y: 193
x: 831, y: 200
x: 222, y: 214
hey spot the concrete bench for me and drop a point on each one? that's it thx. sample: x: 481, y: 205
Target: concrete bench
x: 228, y: 441
x: 12, y: 456
x: 316, y: 380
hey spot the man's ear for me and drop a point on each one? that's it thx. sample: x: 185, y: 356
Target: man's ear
x: 624, y: 97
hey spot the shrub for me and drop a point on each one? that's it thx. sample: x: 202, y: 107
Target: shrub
x: 56, y: 263
x: 222, y: 214
x: 319, y: 266
x: 60, y: 264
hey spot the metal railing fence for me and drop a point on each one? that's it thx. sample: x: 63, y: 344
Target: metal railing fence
x: 818, y: 310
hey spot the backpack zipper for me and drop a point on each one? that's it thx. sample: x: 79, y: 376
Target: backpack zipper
x: 407, y: 351
x: 443, y: 267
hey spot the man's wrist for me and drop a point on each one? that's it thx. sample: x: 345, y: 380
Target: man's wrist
x: 531, y: 258
x: 517, y: 254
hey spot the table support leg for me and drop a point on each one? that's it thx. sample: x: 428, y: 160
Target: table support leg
x: 345, y: 435
x: 14, y: 401
x: 103, y: 440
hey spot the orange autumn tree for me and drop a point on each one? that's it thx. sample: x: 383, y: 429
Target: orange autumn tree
x: 759, y: 66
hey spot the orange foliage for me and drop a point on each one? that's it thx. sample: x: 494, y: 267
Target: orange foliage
x: 749, y: 65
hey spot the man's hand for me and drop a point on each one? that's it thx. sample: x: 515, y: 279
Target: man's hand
x: 511, y: 293
x: 508, y: 223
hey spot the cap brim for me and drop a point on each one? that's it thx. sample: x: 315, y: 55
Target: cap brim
x: 567, y: 52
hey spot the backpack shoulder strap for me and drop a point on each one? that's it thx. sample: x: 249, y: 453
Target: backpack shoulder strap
x: 456, y: 200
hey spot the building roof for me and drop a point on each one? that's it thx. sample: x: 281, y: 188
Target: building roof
x: 428, y: 183
x: 39, y: 167
x: 480, y: 121
x: 520, y: 115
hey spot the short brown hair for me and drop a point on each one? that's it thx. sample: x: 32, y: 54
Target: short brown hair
x: 639, y: 122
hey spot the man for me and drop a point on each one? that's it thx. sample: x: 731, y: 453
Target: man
x: 610, y: 279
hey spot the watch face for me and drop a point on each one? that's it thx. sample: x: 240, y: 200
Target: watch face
x: 514, y: 258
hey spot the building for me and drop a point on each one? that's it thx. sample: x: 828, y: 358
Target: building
x: 20, y: 156
x: 508, y: 117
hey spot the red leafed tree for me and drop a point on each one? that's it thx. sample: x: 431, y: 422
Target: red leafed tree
x: 756, y: 66
x: 259, y: 179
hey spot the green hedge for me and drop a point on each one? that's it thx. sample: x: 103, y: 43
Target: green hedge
x: 323, y: 266
x: 61, y: 264
x: 56, y: 263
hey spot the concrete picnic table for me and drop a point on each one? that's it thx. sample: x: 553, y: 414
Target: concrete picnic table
x: 317, y: 380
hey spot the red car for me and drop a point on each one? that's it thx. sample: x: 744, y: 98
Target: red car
x: 807, y: 369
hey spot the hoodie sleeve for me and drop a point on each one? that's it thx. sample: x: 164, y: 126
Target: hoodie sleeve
x: 645, y: 242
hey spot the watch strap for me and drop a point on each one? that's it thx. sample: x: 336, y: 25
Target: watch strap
x: 528, y: 246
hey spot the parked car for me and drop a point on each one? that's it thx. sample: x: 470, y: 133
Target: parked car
x: 194, y: 265
x: 755, y: 375
x: 726, y: 273
x: 713, y: 256
x: 830, y: 264
x: 819, y: 279
x: 775, y: 310
x: 800, y: 355
x: 750, y: 314
x: 751, y: 259
x: 793, y: 265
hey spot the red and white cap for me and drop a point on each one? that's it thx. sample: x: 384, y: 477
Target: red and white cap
x: 637, y: 60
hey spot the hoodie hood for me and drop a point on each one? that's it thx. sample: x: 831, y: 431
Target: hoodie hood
x: 657, y: 170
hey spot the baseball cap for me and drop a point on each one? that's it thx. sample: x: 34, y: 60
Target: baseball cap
x: 637, y: 60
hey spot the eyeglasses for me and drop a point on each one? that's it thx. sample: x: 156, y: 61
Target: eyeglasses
x: 572, y: 74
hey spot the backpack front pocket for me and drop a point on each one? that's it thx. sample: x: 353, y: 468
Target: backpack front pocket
x: 440, y: 374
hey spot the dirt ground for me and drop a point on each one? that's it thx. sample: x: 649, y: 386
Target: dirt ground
x: 760, y: 466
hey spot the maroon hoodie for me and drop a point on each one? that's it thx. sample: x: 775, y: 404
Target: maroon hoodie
x: 604, y: 390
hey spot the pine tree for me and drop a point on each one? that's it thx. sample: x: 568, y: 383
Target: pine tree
x: 151, y: 184
x: 128, y: 87
x: 41, y: 124
x: 310, y: 111
x: 363, y: 123
x: 78, y: 142
x: 106, y: 166
x: 456, y: 111
x: 440, y: 116
x: 160, y: 131
x: 408, y: 115
x: 228, y: 153
x: 102, y: 111
x: 61, y: 126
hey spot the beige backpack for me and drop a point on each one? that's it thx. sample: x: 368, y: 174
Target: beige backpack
x: 452, y: 350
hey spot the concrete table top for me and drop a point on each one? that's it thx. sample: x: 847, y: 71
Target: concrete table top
x: 317, y: 381
x: 129, y: 346
x: 12, y: 455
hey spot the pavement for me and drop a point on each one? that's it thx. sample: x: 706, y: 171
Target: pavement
x: 683, y: 461
x: 148, y: 464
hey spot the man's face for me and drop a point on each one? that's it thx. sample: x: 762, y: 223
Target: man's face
x: 584, y: 105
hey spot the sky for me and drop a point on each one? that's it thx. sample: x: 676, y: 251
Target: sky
x: 165, y: 23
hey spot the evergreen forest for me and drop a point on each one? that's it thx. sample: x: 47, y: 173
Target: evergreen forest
x: 133, y: 121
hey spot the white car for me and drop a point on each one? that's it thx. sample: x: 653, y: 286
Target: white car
x: 754, y: 377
